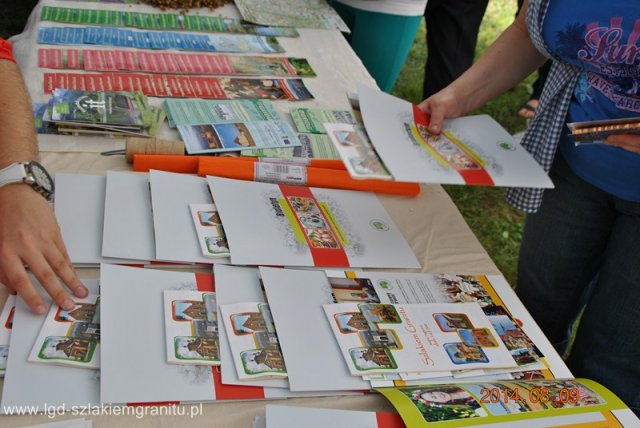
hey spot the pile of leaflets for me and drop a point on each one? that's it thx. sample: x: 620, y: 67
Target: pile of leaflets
x: 98, y: 113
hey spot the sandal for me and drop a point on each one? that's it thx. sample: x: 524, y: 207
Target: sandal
x: 528, y: 110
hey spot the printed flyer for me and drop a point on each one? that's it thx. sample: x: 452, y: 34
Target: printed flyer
x: 312, y: 146
x: 173, y: 62
x: 253, y: 340
x: 386, y: 338
x: 203, y: 112
x: 287, y: 225
x: 6, y: 322
x: 301, y: 14
x: 191, y: 327
x: 565, y: 402
x: 471, y: 150
x: 312, y: 120
x: 226, y: 137
x: 70, y: 337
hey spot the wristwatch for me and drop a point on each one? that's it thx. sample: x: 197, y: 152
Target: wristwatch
x: 31, y: 173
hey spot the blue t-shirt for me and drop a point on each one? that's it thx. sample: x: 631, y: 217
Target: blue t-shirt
x: 603, y: 39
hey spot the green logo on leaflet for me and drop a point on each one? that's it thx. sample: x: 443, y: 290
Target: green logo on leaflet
x: 379, y: 225
x: 504, y: 145
x: 384, y: 284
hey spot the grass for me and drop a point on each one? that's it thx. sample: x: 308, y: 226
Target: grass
x: 497, y: 226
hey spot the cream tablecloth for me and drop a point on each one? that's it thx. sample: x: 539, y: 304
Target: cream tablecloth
x: 440, y: 238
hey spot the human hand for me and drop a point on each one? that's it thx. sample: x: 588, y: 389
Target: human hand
x: 442, y: 105
x: 29, y: 235
x: 628, y: 142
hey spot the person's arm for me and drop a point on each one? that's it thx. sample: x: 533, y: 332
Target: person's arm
x: 29, y: 233
x: 510, y: 59
x: 629, y: 142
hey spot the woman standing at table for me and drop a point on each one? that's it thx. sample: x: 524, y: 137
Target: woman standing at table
x: 581, y: 239
x: 382, y: 33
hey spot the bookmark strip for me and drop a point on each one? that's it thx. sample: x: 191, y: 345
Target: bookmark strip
x: 173, y: 62
x: 181, y: 86
x: 160, y: 21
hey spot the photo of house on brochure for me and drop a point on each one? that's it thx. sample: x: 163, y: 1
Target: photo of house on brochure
x: 275, y: 224
x: 386, y: 338
x: 253, y: 340
x: 6, y: 321
x: 211, y: 237
x: 56, y: 385
x: 70, y: 337
x: 191, y: 327
x: 471, y: 150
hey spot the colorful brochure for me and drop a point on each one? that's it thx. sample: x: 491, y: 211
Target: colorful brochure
x: 515, y: 328
x: 180, y: 86
x: 253, y: 340
x: 312, y: 120
x: 118, y: 37
x: 6, y: 321
x: 70, y: 338
x: 173, y: 62
x: 312, y: 146
x: 356, y: 151
x: 211, y: 237
x: 203, y: 112
x: 294, y: 417
x: 301, y: 14
x: 99, y: 108
x: 56, y: 385
x: 539, y: 403
x: 296, y: 298
x: 386, y: 338
x: 159, y: 21
x: 227, y: 137
x: 472, y: 150
x: 299, y: 226
x: 191, y: 327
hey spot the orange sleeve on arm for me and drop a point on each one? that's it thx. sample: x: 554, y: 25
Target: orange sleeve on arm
x: 6, y: 50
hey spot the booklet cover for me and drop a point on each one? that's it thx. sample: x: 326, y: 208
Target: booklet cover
x: 56, y: 385
x: 379, y: 338
x: 539, y: 403
x: 302, y: 14
x: 97, y: 107
x: 206, y: 112
x: 70, y: 338
x: 225, y: 137
x: 312, y: 146
x: 253, y: 340
x: 471, y: 150
x: 6, y: 321
x: 286, y: 225
x: 211, y: 237
x: 191, y: 327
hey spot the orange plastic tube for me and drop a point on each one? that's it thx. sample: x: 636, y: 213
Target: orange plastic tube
x: 170, y: 163
x: 316, y: 177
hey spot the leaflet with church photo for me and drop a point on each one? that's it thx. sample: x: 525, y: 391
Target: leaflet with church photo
x: 386, y: 338
x: 253, y: 340
x: 191, y: 327
x: 70, y: 337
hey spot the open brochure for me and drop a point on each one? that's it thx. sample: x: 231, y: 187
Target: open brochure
x: 471, y: 150
x: 386, y: 338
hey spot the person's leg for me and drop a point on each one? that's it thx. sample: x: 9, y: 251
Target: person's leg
x: 607, y: 344
x: 452, y: 33
x: 562, y: 249
x: 383, y: 42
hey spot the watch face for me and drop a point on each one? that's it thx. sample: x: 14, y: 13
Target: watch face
x: 42, y: 177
